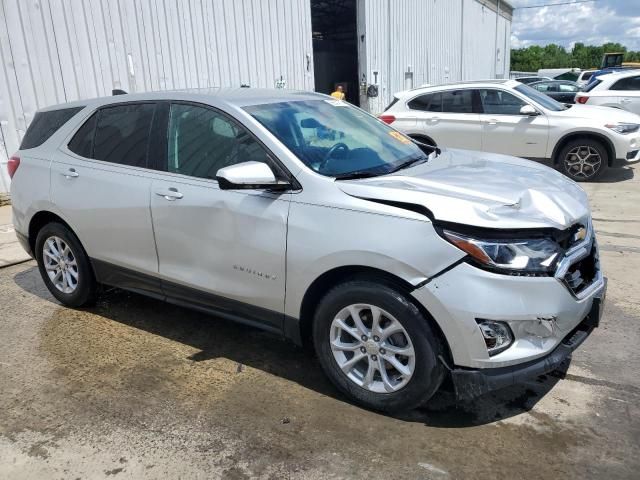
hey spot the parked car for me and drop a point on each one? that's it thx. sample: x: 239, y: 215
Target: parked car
x: 562, y: 91
x: 584, y: 77
x: 224, y: 201
x: 505, y: 116
x: 528, y: 80
x: 618, y: 90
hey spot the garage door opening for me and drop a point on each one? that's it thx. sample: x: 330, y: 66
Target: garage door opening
x: 335, y: 47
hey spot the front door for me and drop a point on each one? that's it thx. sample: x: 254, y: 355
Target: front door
x: 220, y: 248
x: 505, y: 130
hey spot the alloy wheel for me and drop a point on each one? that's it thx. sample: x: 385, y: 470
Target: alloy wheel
x: 372, y: 348
x: 60, y: 264
x: 583, y: 162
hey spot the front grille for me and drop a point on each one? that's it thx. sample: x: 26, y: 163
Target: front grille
x: 582, y: 273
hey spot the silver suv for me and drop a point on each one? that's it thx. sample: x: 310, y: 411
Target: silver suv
x: 399, y: 263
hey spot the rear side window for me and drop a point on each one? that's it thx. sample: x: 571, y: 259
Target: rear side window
x: 457, y: 101
x: 117, y: 134
x: 45, y: 124
x: 630, y: 83
x: 422, y: 102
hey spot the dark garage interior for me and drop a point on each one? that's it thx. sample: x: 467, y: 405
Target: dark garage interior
x: 335, y: 47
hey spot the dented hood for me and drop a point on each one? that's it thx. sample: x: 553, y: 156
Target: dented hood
x: 480, y: 189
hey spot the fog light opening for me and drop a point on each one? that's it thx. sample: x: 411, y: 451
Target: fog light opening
x: 497, y: 335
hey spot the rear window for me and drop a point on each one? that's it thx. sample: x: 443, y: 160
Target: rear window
x: 393, y: 102
x: 45, y: 124
x: 592, y: 85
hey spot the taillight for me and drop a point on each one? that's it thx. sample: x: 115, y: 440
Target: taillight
x: 388, y: 119
x: 12, y: 165
x: 582, y: 100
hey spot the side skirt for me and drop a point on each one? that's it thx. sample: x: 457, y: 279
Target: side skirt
x: 262, y: 318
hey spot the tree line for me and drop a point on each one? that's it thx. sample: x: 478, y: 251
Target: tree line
x: 582, y: 56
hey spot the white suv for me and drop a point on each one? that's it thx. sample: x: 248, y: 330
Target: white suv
x: 307, y: 217
x: 505, y: 116
x: 618, y: 90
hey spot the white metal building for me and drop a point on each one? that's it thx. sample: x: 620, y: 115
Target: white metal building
x: 53, y: 51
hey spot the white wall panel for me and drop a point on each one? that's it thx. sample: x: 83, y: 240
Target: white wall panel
x: 54, y: 51
x: 441, y: 40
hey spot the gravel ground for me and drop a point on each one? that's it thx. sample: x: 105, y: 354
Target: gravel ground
x: 134, y: 388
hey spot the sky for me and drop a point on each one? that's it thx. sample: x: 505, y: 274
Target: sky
x: 591, y: 23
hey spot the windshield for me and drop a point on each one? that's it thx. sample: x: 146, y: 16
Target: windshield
x: 336, y: 139
x: 540, y: 98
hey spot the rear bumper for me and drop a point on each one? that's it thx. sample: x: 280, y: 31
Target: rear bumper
x: 470, y: 383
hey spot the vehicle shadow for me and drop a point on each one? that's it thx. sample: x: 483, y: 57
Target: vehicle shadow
x: 615, y: 175
x: 218, y: 338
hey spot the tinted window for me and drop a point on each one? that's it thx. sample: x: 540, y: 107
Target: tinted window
x: 630, y: 83
x: 540, y: 98
x: 586, y: 75
x: 565, y: 87
x: 573, y: 76
x: 45, y: 124
x: 82, y: 141
x: 421, y: 102
x: 122, y: 134
x: 457, y: 101
x: 202, y: 141
x: 499, y: 102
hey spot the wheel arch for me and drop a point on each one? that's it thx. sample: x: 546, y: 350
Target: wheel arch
x: 611, y: 151
x: 325, y: 282
x: 39, y: 220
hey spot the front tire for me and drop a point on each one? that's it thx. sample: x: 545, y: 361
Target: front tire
x: 64, y: 266
x: 376, y: 347
x: 583, y: 159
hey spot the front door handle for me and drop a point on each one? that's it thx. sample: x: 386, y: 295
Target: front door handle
x: 491, y: 121
x: 626, y: 100
x: 71, y: 173
x: 170, y: 194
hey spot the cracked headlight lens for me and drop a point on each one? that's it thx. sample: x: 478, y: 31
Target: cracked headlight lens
x: 536, y: 255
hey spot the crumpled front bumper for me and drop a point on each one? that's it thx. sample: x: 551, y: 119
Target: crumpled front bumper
x: 470, y: 383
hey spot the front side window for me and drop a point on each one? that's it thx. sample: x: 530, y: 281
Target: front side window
x: 630, y: 83
x: 499, y: 102
x: 335, y: 139
x: 201, y: 141
x: 118, y: 134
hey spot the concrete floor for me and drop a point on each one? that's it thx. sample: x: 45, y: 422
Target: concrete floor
x: 134, y: 388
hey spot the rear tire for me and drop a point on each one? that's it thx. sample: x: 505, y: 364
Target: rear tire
x: 402, y: 352
x: 583, y: 159
x: 64, y: 266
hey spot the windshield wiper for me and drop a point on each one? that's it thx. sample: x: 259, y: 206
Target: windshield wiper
x: 432, y: 148
x: 409, y: 163
x: 357, y: 174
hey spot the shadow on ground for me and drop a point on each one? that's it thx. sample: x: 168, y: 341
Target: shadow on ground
x: 218, y: 338
x: 615, y: 175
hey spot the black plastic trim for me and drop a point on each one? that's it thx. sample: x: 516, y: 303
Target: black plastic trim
x: 206, y: 302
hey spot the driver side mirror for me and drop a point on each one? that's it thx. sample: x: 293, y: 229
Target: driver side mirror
x: 529, y: 111
x: 249, y: 176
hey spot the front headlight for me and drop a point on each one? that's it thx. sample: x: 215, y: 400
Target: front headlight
x: 536, y: 255
x: 623, y: 128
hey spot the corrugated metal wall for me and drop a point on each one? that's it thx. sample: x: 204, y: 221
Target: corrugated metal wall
x: 431, y: 41
x: 53, y: 51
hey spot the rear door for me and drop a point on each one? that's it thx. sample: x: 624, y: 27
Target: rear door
x: 220, y: 248
x: 448, y: 118
x: 100, y: 182
x: 505, y: 130
x: 628, y: 92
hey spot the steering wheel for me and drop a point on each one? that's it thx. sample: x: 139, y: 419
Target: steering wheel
x: 332, y: 150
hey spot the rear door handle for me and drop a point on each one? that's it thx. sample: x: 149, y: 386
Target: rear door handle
x: 170, y: 194
x: 433, y: 119
x: 71, y: 173
x: 626, y: 100
x: 491, y: 121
